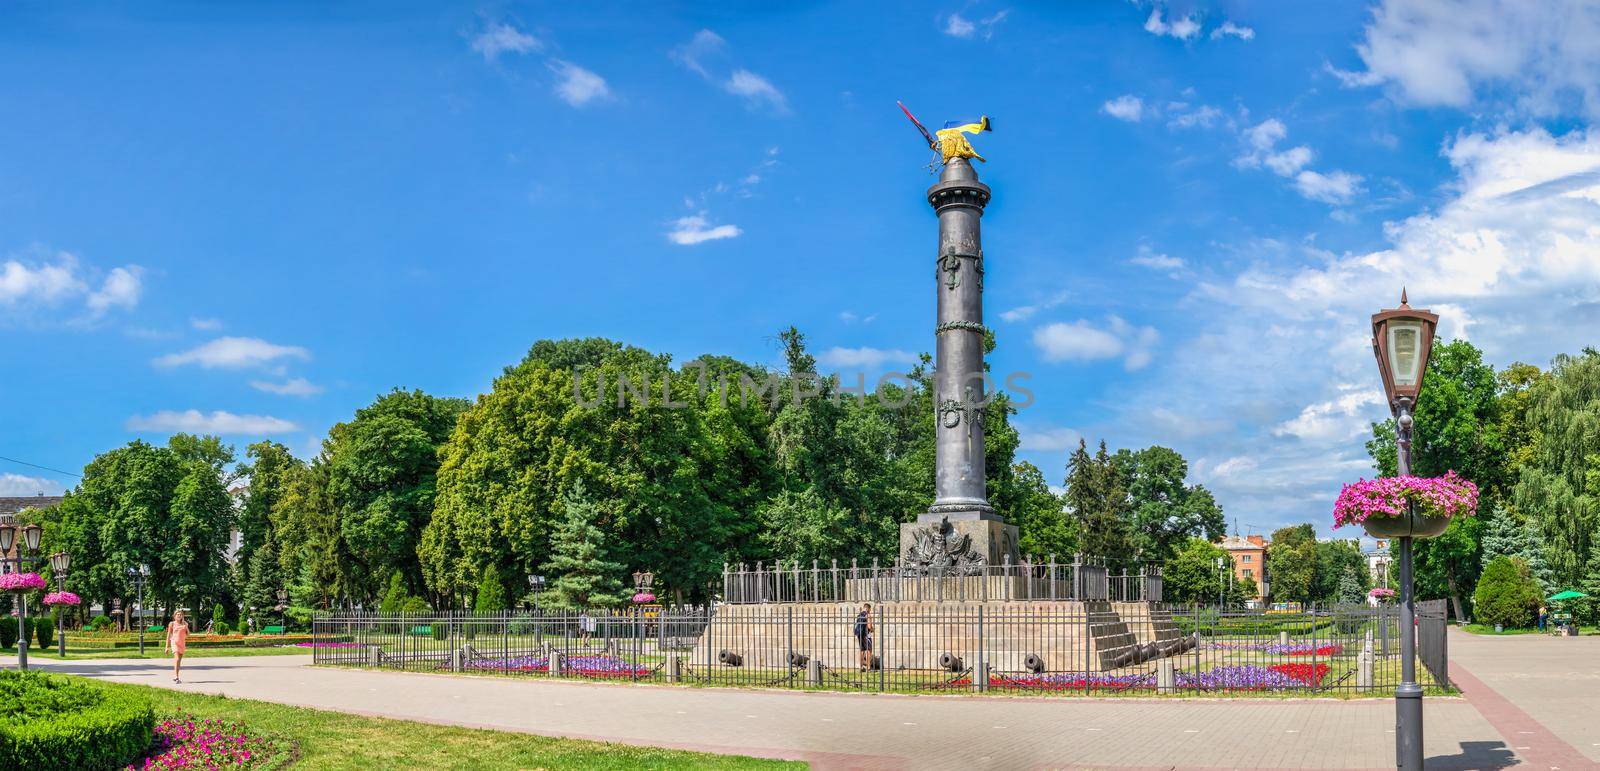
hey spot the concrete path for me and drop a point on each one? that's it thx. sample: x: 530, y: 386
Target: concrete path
x: 890, y: 731
x: 1545, y: 689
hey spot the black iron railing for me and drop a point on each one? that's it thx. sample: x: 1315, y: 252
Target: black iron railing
x: 1088, y: 647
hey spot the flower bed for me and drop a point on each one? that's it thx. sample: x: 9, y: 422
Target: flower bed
x: 1446, y: 496
x: 1281, y: 649
x: 585, y: 666
x: 328, y: 644
x: 21, y: 582
x: 182, y: 742
x: 1246, y: 677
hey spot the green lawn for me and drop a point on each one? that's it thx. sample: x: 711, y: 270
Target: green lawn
x: 1489, y: 629
x: 334, y: 740
x: 153, y: 651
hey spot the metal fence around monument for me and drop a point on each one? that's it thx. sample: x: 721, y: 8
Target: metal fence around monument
x: 1095, y: 647
x: 1026, y: 581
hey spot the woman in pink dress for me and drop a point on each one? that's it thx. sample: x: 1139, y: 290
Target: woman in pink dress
x: 177, y: 641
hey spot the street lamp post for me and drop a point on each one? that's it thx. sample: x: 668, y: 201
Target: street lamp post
x: 1402, y: 339
x: 60, y: 563
x: 1220, y: 580
x: 26, y: 555
x: 137, y: 576
x: 536, y: 583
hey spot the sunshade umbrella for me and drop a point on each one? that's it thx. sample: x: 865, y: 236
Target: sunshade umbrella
x: 1567, y: 595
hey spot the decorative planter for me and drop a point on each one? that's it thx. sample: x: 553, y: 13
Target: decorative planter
x: 21, y: 582
x: 1413, y: 525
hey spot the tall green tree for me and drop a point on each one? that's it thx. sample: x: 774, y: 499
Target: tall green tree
x: 1044, y: 527
x: 491, y: 592
x: 1191, y: 575
x: 1559, y: 485
x: 381, y: 479
x: 1292, y: 564
x: 1166, y: 509
x: 201, y: 520
x: 585, y: 577
x: 1098, y: 501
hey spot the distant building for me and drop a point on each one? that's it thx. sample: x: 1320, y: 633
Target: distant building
x: 11, y: 506
x: 1249, y: 555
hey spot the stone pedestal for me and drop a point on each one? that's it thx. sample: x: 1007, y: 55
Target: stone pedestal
x: 988, y: 537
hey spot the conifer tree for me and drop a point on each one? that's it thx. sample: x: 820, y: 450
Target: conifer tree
x: 585, y: 577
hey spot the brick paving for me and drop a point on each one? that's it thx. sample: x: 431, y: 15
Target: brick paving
x: 875, y: 731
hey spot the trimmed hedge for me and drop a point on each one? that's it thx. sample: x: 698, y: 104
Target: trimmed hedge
x: 52, y: 722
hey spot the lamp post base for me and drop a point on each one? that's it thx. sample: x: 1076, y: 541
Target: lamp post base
x: 1408, y: 727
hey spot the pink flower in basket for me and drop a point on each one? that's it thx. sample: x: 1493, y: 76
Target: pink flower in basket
x: 1446, y: 496
x: 643, y: 597
x: 61, y: 598
x: 21, y: 582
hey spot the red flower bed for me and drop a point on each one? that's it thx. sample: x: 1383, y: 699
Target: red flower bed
x: 1310, y: 674
x: 1325, y: 650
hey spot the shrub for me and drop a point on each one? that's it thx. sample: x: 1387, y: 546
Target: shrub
x: 1507, y: 593
x: 416, y: 606
x: 219, y: 616
x: 297, y: 618
x: 221, y: 627
x: 44, y: 630
x: 54, y: 721
x: 8, y: 632
x: 101, y: 623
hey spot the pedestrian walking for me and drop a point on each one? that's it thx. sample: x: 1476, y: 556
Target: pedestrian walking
x: 177, y: 642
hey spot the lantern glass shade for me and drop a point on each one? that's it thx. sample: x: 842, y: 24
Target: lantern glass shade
x: 1405, y: 352
x: 31, y: 535
x: 61, y: 562
x: 8, y: 536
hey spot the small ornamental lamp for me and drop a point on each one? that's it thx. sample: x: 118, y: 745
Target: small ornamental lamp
x: 1402, y: 340
x: 8, y: 536
x: 60, y: 563
x: 30, y: 537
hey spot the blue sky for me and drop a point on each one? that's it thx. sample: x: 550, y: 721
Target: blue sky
x: 252, y: 220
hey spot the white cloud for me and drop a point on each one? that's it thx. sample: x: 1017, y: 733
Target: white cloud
x: 1126, y: 107
x: 866, y: 358
x: 958, y: 26
x: 1184, y: 28
x: 1023, y: 312
x: 577, y: 86
x: 215, y: 422
x: 233, y: 353
x: 1261, y: 142
x: 1047, y: 439
x: 298, y: 386
x: 499, y: 38
x: 1083, y: 341
x: 1336, y: 187
x: 205, y: 324
x: 1229, y: 29
x: 706, y: 54
x: 1147, y: 258
x: 695, y: 229
x: 955, y: 26
x: 850, y: 317
x: 1203, y: 116
x: 756, y: 90
x: 29, y: 287
x: 20, y: 484
x: 1340, y: 419
x: 1540, y: 58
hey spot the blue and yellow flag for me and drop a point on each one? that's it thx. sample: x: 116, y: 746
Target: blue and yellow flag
x: 951, y: 142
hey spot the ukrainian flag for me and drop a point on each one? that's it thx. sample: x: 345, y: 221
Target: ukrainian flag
x: 969, y: 126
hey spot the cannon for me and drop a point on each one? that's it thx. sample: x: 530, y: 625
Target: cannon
x: 951, y: 662
x: 1033, y: 663
x: 730, y: 658
x: 798, y: 659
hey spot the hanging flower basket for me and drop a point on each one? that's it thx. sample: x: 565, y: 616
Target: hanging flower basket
x: 1381, y: 594
x: 1397, y: 507
x: 21, y: 582
x: 61, y: 598
x: 644, y: 597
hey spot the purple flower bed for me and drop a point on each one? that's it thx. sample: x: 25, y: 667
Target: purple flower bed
x: 185, y: 743
x: 327, y: 644
x: 1247, y: 677
x: 588, y: 666
x: 1291, y: 649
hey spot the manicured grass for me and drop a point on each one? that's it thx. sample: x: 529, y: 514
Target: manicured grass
x: 334, y: 740
x: 1489, y: 629
x: 153, y: 651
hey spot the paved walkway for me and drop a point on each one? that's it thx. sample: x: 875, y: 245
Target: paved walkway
x: 1513, y: 685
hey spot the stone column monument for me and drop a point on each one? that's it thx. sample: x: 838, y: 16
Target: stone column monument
x: 960, y: 533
